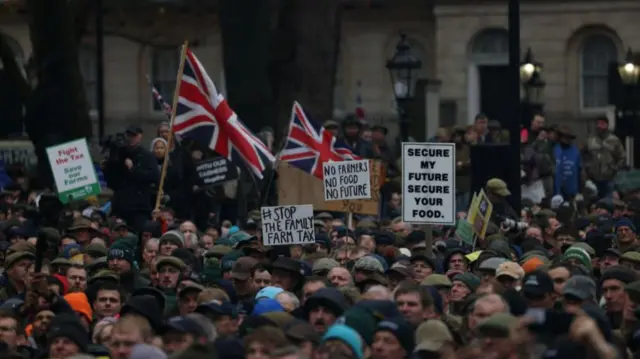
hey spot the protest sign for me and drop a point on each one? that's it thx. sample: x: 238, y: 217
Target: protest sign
x: 479, y: 214
x: 428, y: 181
x: 346, y: 180
x: 216, y: 170
x: 285, y: 225
x: 464, y: 232
x: 296, y: 186
x: 73, y: 170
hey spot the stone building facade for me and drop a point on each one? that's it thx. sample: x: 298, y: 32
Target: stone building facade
x: 462, y: 45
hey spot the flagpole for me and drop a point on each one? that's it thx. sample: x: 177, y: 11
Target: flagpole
x: 176, y: 96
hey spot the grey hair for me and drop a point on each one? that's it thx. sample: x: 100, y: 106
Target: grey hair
x: 381, y: 290
x: 152, y: 240
x: 206, y: 325
x: 493, y: 298
x: 292, y: 297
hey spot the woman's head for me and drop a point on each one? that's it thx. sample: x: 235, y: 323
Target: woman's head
x: 159, y: 147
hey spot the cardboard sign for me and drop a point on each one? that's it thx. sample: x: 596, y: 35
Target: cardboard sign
x: 479, y: 214
x: 73, y: 170
x: 286, y: 225
x: 296, y: 186
x: 429, y: 183
x: 216, y: 171
x: 346, y: 180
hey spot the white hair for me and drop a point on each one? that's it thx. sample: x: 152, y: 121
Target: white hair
x: 206, y: 325
x: 291, y: 297
x: 379, y: 292
x: 155, y: 241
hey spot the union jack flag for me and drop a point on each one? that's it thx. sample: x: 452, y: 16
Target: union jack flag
x: 156, y: 95
x: 309, y: 145
x: 203, y: 115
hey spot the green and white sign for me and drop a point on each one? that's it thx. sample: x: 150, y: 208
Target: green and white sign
x: 73, y: 170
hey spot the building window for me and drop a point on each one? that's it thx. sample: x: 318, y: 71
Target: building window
x: 491, y: 42
x: 89, y: 68
x: 598, y: 51
x: 164, y: 67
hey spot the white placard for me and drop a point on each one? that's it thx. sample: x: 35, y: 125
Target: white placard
x: 285, y: 225
x: 429, y: 183
x: 73, y: 170
x: 347, y: 180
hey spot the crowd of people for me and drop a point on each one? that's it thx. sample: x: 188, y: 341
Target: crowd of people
x: 193, y: 279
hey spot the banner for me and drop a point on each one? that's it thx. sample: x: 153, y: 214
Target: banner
x: 73, y: 170
x: 216, y: 171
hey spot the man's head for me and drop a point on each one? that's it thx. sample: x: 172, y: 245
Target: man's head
x: 537, y: 123
x: 169, y: 271
x: 481, y: 123
x: 186, y: 330
x: 340, y: 277
x: 129, y: 331
x: 77, y: 278
x: 134, y: 135
x: 486, y: 306
x: 10, y: 329
x: 602, y: 124
x: 415, y: 303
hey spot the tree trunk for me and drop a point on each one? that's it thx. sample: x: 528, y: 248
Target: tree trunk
x: 245, y: 27
x: 57, y: 110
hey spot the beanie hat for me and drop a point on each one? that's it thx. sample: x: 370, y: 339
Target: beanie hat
x: 68, y: 326
x: 173, y: 236
x: 623, y: 274
x: 79, y: 302
x: 469, y: 279
x: 532, y: 264
x: 579, y: 254
x: 624, y: 222
x: 120, y: 250
x: 346, y: 335
x: 267, y: 305
x: 401, y: 329
x: 269, y: 292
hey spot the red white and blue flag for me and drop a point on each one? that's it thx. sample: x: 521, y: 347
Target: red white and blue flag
x: 203, y: 115
x: 156, y: 95
x: 309, y: 145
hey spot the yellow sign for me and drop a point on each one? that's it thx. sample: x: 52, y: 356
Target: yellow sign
x: 479, y: 213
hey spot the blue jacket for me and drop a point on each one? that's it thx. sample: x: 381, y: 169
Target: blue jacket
x: 568, y: 169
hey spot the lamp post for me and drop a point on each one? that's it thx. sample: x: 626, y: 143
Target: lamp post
x: 532, y: 83
x: 628, y: 110
x: 402, y: 67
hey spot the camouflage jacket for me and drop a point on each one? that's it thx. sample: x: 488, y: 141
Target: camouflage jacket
x: 605, y: 156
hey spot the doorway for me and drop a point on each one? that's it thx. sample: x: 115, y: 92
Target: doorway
x: 494, y: 84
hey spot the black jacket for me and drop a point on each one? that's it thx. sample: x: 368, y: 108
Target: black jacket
x: 132, y: 188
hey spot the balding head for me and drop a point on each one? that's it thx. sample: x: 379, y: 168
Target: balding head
x: 340, y: 277
x: 378, y: 292
x: 486, y: 306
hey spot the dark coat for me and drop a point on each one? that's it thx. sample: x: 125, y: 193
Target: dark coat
x: 132, y: 188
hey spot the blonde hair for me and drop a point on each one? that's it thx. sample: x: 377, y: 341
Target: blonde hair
x: 130, y: 321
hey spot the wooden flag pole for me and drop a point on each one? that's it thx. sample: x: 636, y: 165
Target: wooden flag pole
x: 176, y: 96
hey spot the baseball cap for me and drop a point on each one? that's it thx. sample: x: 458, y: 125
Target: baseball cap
x: 134, y: 129
x: 216, y: 307
x: 432, y: 335
x: 510, y: 269
x: 537, y: 283
x: 581, y: 287
x: 243, y: 267
x: 492, y: 263
x: 184, y: 325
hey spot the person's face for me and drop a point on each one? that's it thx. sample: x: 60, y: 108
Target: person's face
x: 342, y: 257
x: 602, y: 125
x: 207, y: 242
x: 150, y: 252
x: 459, y: 291
x: 174, y: 342
x: 188, y: 228
x: 457, y: 262
x: 107, y: 303
x: 262, y: 279
x: 134, y: 139
x: 608, y: 260
x: 243, y: 287
x: 119, y: 265
x: 559, y: 276
x: 282, y: 279
x: 368, y: 243
x: 553, y: 225
x: 321, y: 318
x: 614, y: 295
x: 535, y: 232
x: 168, y: 276
x: 8, y: 332
x: 42, y: 321
x: 18, y: 272
x: 226, y: 326
x: 400, y: 227
x: 339, y: 277
x: 395, y: 200
x: 386, y: 345
x: 483, y: 310
x: 123, y: 341
x: 188, y: 302
x: 159, y: 149
x: 410, y: 306
x: 481, y: 125
x: 309, y: 288
x: 421, y: 270
x: 295, y: 251
x: 352, y: 130
x: 64, y: 348
x: 77, y: 278
x: 537, y: 123
x: 167, y: 247
x: 625, y: 234
x: 163, y: 131
x: 377, y: 136
x: 366, y: 135
x: 257, y: 350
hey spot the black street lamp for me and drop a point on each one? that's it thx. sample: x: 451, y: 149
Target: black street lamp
x: 629, y: 71
x: 627, y: 107
x: 402, y: 67
x: 532, y: 83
